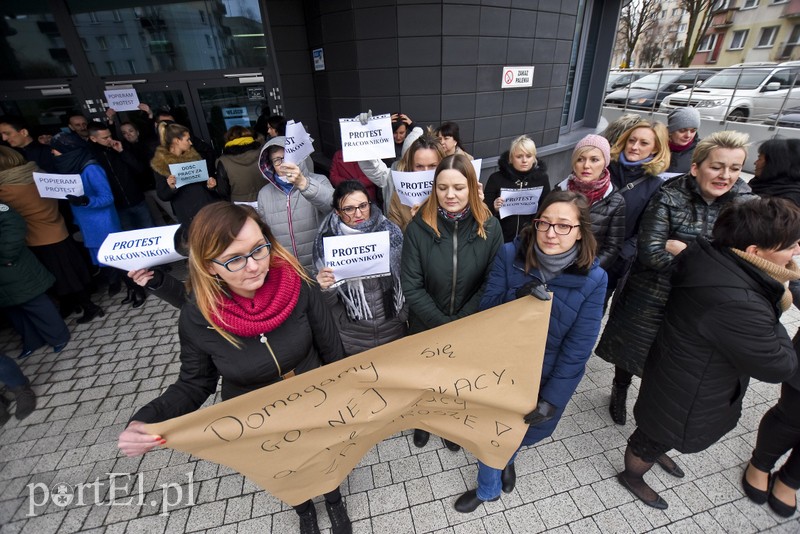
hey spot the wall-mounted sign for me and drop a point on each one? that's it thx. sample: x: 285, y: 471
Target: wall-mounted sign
x: 319, y: 59
x: 517, y: 77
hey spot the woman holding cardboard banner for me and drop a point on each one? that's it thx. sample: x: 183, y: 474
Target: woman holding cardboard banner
x: 554, y: 254
x: 447, y: 253
x: 253, y: 318
x: 370, y: 311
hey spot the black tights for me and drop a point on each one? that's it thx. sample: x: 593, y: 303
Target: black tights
x: 331, y: 498
x: 622, y: 377
x: 640, y: 455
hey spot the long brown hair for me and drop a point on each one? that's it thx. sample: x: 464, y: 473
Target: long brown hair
x: 427, y: 140
x: 661, y: 158
x: 212, y: 231
x: 480, y: 212
x: 587, y: 244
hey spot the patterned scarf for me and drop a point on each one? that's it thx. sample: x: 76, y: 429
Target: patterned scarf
x: 272, y: 304
x: 456, y: 216
x: 594, y: 190
x: 777, y: 272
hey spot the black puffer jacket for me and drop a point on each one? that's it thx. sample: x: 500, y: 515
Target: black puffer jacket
x: 608, y: 224
x: 780, y: 186
x: 676, y: 212
x: 121, y: 169
x: 510, y: 178
x: 720, y: 328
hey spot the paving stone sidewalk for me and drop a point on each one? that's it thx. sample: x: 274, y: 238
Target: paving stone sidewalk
x: 566, y: 484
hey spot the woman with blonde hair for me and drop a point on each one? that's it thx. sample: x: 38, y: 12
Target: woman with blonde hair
x: 176, y: 147
x: 519, y: 169
x: 448, y: 250
x: 246, y: 291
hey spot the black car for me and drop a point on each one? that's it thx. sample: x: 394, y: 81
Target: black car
x: 617, y: 79
x: 647, y: 93
x: 788, y: 118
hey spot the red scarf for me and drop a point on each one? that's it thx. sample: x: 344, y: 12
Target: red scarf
x: 595, y: 190
x: 267, y: 310
x: 680, y: 148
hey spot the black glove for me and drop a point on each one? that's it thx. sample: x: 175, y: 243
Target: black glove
x: 535, y: 288
x: 544, y: 411
x: 82, y: 200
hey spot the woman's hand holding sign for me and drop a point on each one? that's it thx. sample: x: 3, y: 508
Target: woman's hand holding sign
x: 293, y: 175
x: 134, y: 441
x: 211, y: 183
x: 325, y: 278
x: 171, y: 181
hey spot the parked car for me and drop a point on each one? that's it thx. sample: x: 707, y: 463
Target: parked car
x: 617, y: 79
x: 789, y: 118
x: 648, y: 92
x: 743, y: 93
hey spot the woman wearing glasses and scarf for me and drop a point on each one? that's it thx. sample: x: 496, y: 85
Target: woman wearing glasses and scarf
x: 368, y: 311
x: 253, y: 318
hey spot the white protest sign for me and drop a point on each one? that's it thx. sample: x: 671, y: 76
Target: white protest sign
x: 189, y: 172
x: 667, y: 175
x: 517, y: 77
x: 298, y: 143
x: 58, y: 185
x: 357, y: 255
x: 122, y: 99
x: 520, y: 201
x: 253, y: 205
x: 477, y: 164
x: 373, y: 140
x: 412, y: 187
x: 139, y: 249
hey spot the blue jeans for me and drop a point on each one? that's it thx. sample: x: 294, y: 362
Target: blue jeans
x: 489, y: 483
x: 135, y: 217
x: 10, y: 373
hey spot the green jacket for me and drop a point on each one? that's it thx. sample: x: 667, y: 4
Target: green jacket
x: 22, y: 277
x: 444, y: 276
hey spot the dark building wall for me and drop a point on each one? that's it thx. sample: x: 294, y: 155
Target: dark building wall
x: 433, y: 61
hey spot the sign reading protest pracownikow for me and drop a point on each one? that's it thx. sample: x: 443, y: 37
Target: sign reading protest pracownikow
x: 412, y: 187
x: 373, y: 140
x: 140, y: 249
x: 189, y: 172
x: 520, y: 201
x: 357, y: 255
x: 122, y: 99
x: 298, y: 145
x: 517, y: 77
x: 58, y: 185
x: 467, y: 381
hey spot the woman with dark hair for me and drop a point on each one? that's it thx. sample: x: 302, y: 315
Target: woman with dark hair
x: 369, y: 311
x: 402, y: 125
x: 556, y: 253
x: 449, y: 136
x: 243, y: 285
x: 777, y: 170
x: 293, y: 201
x: 721, y: 326
x: 237, y: 167
x: 176, y: 147
x: 448, y: 250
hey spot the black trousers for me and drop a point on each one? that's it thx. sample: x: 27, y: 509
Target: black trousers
x: 778, y: 433
x: 38, y: 322
x: 331, y: 497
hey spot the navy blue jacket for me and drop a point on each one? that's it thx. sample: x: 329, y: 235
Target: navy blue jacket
x: 574, y: 325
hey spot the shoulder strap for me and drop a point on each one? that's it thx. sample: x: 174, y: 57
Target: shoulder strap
x: 635, y: 183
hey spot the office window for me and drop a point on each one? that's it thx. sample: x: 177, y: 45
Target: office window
x: 739, y: 37
x: 93, y: 17
x: 123, y: 41
x: 101, y: 43
x: 681, y: 28
x: 767, y: 37
x: 132, y: 66
x: 117, y: 16
x: 708, y: 43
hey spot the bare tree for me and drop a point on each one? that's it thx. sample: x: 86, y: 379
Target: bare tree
x: 700, y: 15
x: 637, y: 17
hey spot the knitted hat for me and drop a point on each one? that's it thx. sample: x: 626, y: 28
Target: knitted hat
x: 67, y: 142
x: 680, y: 118
x: 595, y: 141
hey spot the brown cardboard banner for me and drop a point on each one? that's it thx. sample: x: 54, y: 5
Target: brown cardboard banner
x: 470, y: 381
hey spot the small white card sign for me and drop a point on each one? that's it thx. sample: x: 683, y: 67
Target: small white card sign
x: 520, y: 201
x: 298, y: 144
x: 367, y: 141
x: 357, y: 255
x: 122, y: 99
x: 517, y: 77
x: 139, y: 249
x: 412, y: 187
x: 253, y: 205
x: 189, y: 172
x: 58, y: 185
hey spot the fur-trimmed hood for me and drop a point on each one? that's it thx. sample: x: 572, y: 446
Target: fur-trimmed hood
x: 163, y: 158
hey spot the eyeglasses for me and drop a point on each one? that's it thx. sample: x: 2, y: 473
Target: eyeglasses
x: 237, y: 263
x: 277, y: 162
x: 350, y: 210
x: 558, y: 228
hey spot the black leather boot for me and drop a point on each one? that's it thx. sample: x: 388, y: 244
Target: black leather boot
x: 619, y: 396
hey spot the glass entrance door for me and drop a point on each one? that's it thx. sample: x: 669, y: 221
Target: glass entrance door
x: 44, y: 108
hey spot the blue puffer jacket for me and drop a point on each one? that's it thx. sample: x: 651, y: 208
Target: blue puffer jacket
x: 574, y: 325
x: 99, y: 218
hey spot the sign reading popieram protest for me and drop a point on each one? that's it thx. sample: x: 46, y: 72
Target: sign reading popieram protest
x: 122, y: 99
x: 520, y: 201
x: 58, y: 185
x: 517, y: 77
x: 468, y: 381
x: 412, y: 187
x: 373, y: 140
x: 298, y: 145
x: 357, y: 256
x: 189, y: 172
x: 140, y: 249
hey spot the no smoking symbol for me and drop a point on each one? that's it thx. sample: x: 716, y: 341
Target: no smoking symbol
x: 509, y: 76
